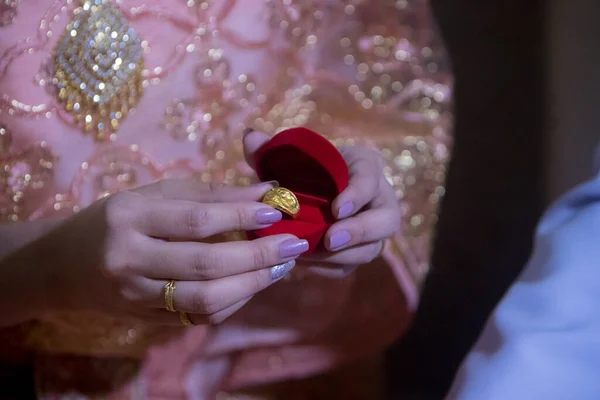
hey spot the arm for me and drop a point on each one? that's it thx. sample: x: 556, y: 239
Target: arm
x: 543, y: 340
x: 24, y: 286
x: 16, y: 235
x: 24, y: 289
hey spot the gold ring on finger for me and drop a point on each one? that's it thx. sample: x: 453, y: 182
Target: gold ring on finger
x: 185, y: 319
x: 169, y: 292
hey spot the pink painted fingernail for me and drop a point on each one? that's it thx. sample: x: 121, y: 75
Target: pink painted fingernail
x: 339, y: 239
x: 292, y: 248
x: 346, y: 209
x: 267, y: 216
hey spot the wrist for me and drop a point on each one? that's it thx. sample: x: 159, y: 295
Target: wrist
x: 27, y: 290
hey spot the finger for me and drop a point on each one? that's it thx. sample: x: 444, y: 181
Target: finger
x: 212, y: 192
x: 180, y: 219
x: 211, y: 297
x: 368, y: 226
x: 356, y: 255
x: 333, y: 271
x: 166, y: 318
x: 190, y: 261
x: 363, y: 187
x: 253, y: 141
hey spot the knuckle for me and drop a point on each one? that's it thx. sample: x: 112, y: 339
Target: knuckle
x: 243, y: 217
x: 205, y: 264
x: 116, y: 263
x: 365, y: 232
x: 119, y: 208
x: 261, y: 256
x: 197, y: 302
x: 203, y: 303
x: 211, y: 306
x: 197, y: 220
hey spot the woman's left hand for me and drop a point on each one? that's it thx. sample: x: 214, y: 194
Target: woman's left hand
x: 367, y: 210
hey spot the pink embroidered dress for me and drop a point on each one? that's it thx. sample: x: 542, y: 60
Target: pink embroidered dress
x: 99, y: 96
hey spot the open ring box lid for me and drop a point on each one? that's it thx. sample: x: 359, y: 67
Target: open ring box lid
x: 310, y: 166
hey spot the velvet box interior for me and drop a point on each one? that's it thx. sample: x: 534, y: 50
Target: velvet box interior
x: 310, y: 166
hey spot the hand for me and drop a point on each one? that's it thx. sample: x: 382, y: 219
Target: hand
x: 368, y: 211
x: 116, y: 256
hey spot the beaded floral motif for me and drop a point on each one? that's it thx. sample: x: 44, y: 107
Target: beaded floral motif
x: 98, y: 64
x: 21, y: 174
x: 218, y: 98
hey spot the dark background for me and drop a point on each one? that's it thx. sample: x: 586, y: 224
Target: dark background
x: 527, y: 117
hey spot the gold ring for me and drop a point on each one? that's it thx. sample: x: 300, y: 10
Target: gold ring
x: 169, y: 292
x: 185, y: 319
x: 282, y: 199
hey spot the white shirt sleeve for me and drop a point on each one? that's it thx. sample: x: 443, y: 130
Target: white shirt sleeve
x: 543, y: 339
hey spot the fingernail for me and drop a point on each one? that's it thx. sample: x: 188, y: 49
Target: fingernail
x: 292, y: 248
x: 281, y: 270
x: 339, y: 239
x: 247, y: 131
x: 346, y: 209
x: 270, y: 183
x: 267, y: 216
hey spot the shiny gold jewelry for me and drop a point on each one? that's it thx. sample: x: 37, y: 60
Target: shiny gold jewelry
x: 169, y: 292
x: 185, y: 319
x: 98, y: 65
x: 282, y: 199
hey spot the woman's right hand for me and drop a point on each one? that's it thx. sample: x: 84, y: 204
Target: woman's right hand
x: 117, y: 255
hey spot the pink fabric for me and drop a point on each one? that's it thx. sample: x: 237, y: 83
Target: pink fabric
x: 372, y: 74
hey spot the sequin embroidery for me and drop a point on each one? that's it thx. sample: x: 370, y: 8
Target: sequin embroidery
x: 21, y: 174
x: 98, y: 68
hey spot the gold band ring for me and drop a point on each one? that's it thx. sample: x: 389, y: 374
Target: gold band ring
x: 169, y: 292
x: 185, y: 319
x: 282, y: 199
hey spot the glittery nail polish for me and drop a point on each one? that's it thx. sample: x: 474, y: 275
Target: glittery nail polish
x: 281, y: 270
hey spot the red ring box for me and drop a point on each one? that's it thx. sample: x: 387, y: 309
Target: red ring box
x: 310, y: 166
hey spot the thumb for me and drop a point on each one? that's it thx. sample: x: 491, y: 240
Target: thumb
x: 253, y: 140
